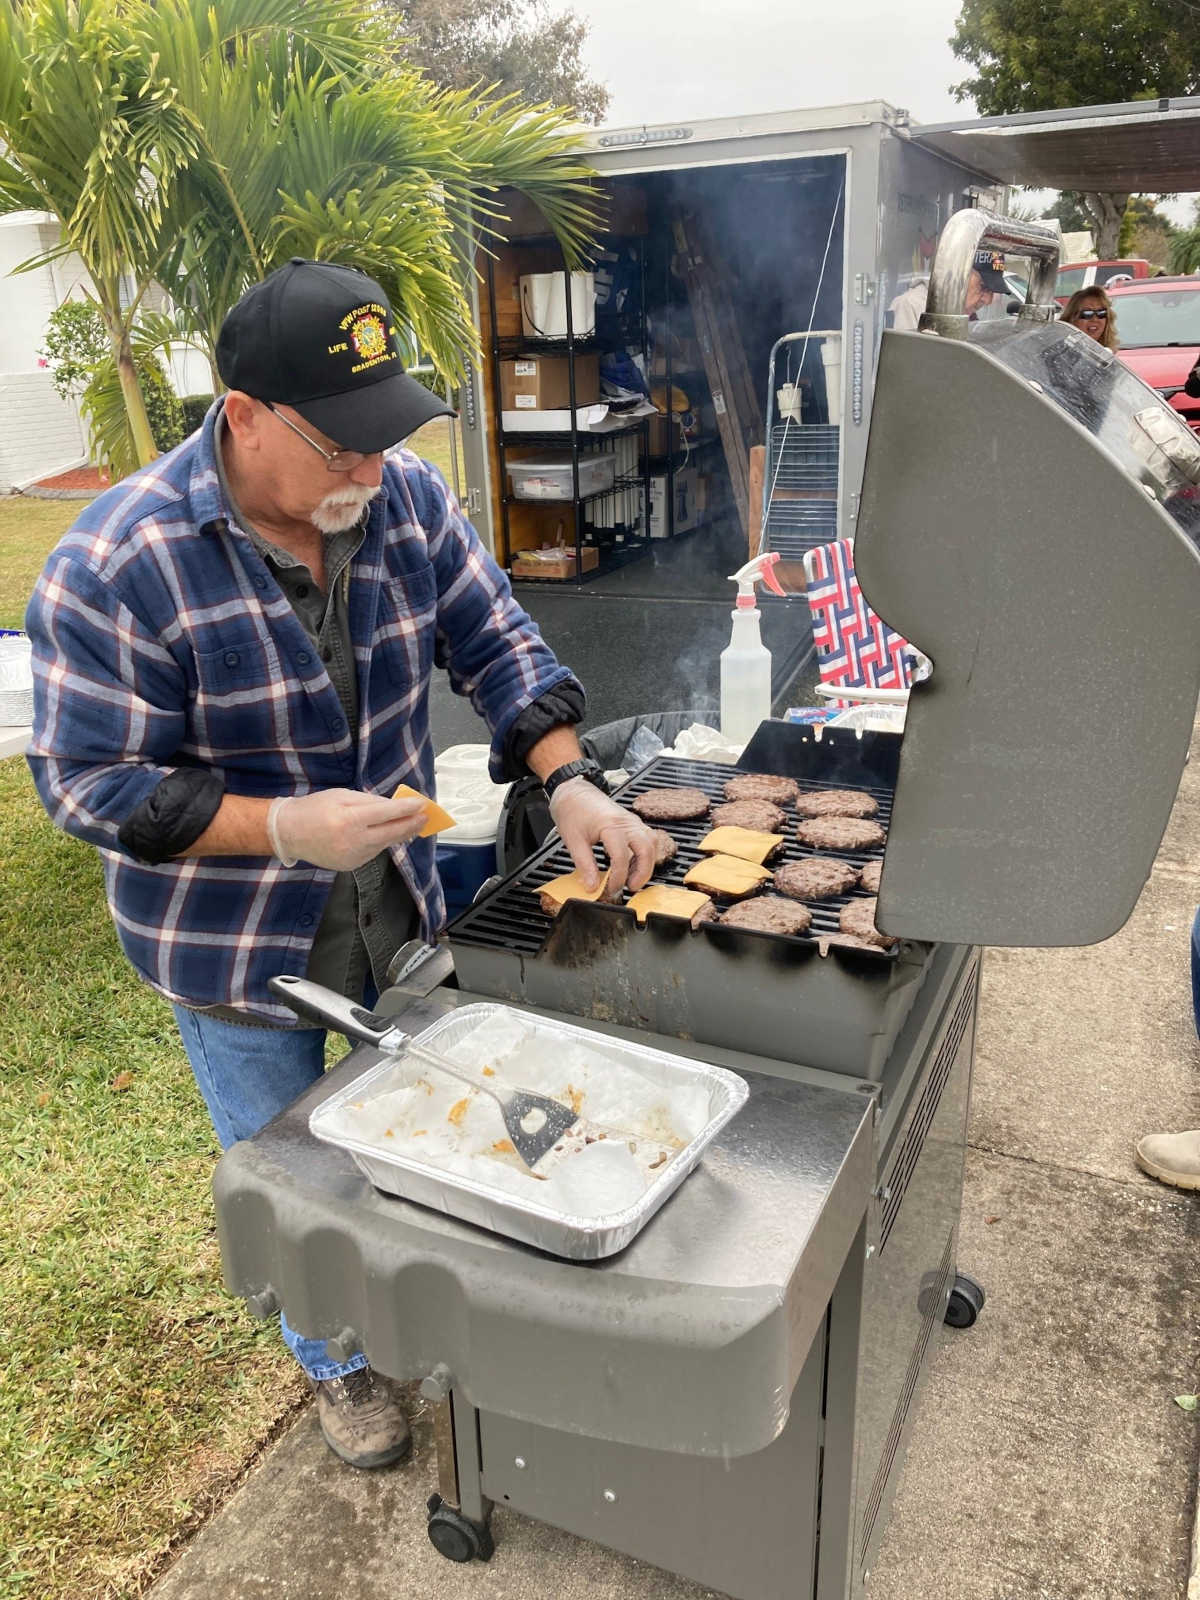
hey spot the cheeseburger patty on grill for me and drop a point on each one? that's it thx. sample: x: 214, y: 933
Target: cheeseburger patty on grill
x: 836, y: 803
x: 768, y: 913
x: 858, y: 919
x: 760, y: 816
x: 762, y: 786
x: 815, y: 878
x: 840, y: 833
x: 870, y: 875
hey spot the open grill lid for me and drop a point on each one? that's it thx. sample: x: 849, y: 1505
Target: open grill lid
x: 1028, y: 515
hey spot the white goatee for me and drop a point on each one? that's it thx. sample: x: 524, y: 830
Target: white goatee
x: 341, y: 509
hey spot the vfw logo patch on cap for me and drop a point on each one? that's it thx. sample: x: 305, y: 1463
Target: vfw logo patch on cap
x: 368, y: 336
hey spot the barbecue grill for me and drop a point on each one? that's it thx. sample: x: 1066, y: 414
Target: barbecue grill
x: 729, y: 1397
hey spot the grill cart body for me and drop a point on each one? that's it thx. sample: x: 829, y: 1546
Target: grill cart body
x: 741, y: 1375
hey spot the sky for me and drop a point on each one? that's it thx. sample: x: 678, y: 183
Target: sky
x: 669, y: 60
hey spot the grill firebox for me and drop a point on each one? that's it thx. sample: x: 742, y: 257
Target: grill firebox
x: 772, y: 994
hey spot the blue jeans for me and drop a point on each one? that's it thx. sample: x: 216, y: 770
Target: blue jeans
x: 247, y: 1076
x: 1196, y: 972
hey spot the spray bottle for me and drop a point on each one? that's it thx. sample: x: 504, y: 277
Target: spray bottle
x: 746, y: 664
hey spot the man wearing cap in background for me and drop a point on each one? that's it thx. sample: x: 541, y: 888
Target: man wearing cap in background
x: 985, y: 282
x: 232, y: 656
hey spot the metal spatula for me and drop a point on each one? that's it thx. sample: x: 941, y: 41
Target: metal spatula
x: 535, y: 1122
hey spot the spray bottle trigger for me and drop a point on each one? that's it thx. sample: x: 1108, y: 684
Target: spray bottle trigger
x: 768, y: 574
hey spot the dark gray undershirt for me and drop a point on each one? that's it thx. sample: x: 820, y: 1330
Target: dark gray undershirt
x: 370, y: 912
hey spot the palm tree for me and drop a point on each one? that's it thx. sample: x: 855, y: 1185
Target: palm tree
x: 200, y: 143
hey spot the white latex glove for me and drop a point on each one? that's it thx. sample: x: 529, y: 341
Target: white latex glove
x: 340, y: 828
x: 584, y: 816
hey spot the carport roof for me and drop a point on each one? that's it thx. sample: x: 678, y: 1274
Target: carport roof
x: 1143, y: 147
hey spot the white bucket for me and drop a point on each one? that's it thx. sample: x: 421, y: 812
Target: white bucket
x: 544, y: 305
x: 831, y: 358
x: 790, y: 399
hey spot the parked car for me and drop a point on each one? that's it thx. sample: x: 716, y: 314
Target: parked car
x: 1158, y: 324
x: 1083, y: 274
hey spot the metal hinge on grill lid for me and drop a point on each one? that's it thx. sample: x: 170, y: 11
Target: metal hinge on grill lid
x: 1026, y: 525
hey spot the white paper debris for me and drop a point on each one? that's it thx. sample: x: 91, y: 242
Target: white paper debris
x: 420, y: 1113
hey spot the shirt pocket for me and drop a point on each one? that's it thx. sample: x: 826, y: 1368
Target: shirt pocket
x: 235, y: 696
x: 406, y: 627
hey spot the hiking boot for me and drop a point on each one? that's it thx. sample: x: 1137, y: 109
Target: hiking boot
x: 362, y: 1418
x: 1172, y: 1158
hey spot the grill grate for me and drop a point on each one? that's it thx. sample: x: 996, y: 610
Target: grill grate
x: 512, y: 918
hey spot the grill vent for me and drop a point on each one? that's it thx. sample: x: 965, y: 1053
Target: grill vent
x: 892, y: 1443
x: 909, y: 1153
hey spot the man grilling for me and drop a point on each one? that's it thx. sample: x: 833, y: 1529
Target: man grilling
x: 232, y: 657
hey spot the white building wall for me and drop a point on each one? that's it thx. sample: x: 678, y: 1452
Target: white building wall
x: 39, y: 433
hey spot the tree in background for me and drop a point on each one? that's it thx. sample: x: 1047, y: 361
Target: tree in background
x: 198, y: 144
x: 1030, y: 56
x: 1146, y: 232
x: 1185, y: 246
x: 520, y: 46
x: 1068, y: 212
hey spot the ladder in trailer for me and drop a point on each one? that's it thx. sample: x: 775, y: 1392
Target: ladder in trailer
x: 725, y: 365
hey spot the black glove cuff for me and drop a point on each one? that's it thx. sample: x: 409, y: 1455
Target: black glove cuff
x: 173, y: 815
x: 562, y: 706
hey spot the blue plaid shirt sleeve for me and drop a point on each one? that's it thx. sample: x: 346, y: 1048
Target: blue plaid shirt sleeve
x: 108, y: 714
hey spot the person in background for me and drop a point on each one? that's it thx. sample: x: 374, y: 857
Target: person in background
x: 1092, y: 311
x: 985, y: 282
x: 1191, y: 384
x: 1174, y: 1158
x: 233, y: 651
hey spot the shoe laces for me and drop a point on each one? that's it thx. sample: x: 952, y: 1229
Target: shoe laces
x: 357, y: 1387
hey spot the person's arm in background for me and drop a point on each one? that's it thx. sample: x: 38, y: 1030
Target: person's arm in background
x: 1192, y: 385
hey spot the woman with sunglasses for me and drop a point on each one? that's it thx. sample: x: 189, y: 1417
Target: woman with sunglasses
x: 1092, y: 311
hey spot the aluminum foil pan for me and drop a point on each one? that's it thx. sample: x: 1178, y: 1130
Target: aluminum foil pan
x: 574, y: 1237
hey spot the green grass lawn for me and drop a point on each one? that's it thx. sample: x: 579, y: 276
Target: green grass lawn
x: 134, y: 1389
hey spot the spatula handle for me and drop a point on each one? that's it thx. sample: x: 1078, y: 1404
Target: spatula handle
x: 333, y: 1010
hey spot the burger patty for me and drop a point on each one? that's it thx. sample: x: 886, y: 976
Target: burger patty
x: 836, y: 803
x: 762, y: 786
x: 671, y: 805
x: 665, y: 848
x: 760, y: 816
x: 815, y: 878
x: 870, y: 875
x: 858, y: 920
x: 840, y: 833
x: 768, y: 913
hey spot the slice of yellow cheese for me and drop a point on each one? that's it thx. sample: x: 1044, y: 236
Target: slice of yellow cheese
x: 745, y: 843
x: 726, y: 875
x: 437, y: 817
x: 666, y: 901
x: 555, y: 894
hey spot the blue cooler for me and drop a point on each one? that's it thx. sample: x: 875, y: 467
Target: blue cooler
x: 464, y: 869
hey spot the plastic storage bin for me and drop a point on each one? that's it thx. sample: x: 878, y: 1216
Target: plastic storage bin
x: 549, y: 477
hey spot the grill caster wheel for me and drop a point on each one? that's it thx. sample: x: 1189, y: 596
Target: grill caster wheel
x: 456, y: 1537
x: 966, y: 1302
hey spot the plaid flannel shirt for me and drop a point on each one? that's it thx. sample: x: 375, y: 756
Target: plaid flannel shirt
x: 161, y: 640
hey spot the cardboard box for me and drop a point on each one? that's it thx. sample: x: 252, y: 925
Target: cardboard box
x: 686, y: 508
x: 559, y: 564
x: 542, y: 383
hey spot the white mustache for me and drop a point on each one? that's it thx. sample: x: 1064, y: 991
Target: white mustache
x: 341, y: 508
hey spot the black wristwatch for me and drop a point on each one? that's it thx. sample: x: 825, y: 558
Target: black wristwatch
x: 585, y: 767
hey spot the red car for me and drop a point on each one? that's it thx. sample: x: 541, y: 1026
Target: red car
x: 1158, y: 324
x: 1083, y: 274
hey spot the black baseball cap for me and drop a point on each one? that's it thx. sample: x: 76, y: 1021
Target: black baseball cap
x: 322, y: 339
x: 989, y: 264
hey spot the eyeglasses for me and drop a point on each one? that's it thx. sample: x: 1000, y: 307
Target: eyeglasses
x: 335, y: 460
x: 1089, y: 316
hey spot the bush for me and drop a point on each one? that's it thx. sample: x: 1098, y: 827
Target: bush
x: 195, y: 409
x: 163, y: 405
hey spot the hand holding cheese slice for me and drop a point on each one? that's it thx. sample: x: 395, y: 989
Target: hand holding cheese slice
x: 437, y: 818
x: 555, y: 894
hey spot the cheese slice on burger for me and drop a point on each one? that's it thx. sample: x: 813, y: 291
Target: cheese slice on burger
x: 555, y: 894
x: 664, y: 900
x: 745, y: 843
x: 726, y: 876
